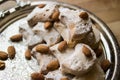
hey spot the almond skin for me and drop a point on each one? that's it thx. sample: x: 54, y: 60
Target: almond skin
x: 45, y: 72
x: 55, y: 16
x: 49, y: 79
x: 42, y: 48
x: 3, y: 55
x: 64, y: 78
x: 62, y: 46
x: 53, y: 65
x: 28, y: 54
x: 41, y: 5
x: 37, y: 76
x: 105, y: 65
x: 2, y: 65
x: 99, y: 52
x: 11, y: 52
x: 32, y: 22
x: 48, y: 25
x: 84, y: 15
x: 16, y: 38
x: 86, y: 51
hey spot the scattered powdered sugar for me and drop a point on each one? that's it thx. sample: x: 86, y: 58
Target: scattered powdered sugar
x: 18, y: 68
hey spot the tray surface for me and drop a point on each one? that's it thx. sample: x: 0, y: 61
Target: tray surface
x: 20, y: 69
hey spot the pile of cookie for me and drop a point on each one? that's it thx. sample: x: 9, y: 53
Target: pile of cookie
x: 64, y: 42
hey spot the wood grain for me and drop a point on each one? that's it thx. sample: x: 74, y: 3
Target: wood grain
x: 107, y: 10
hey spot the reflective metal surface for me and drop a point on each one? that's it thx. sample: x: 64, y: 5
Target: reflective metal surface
x: 10, y: 20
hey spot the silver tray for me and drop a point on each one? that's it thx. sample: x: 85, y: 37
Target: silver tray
x: 111, y: 48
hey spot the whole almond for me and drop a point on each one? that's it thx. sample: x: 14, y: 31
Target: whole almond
x: 62, y: 46
x: 86, y: 51
x: 2, y: 65
x: 45, y: 72
x: 41, y: 5
x: 16, y: 38
x: 64, y: 78
x: 99, y: 52
x: 32, y: 22
x: 42, y: 48
x: 55, y: 16
x: 37, y: 76
x: 84, y: 15
x: 48, y: 25
x: 28, y: 54
x: 53, y: 65
x: 49, y: 79
x: 3, y: 55
x: 105, y: 64
x: 11, y: 52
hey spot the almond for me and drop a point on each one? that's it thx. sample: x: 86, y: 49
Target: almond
x: 42, y: 48
x: 41, y: 5
x: 64, y: 78
x: 99, y: 52
x: 32, y: 22
x: 105, y: 64
x: 37, y: 76
x: 49, y: 79
x: 84, y: 15
x: 62, y: 46
x: 3, y: 55
x: 53, y: 65
x: 44, y: 72
x: 11, y: 52
x: 48, y: 25
x: 55, y: 16
x: 2, y: 65
x: 86, y: 51
x: 16, y: 38
x: 28, y: 54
